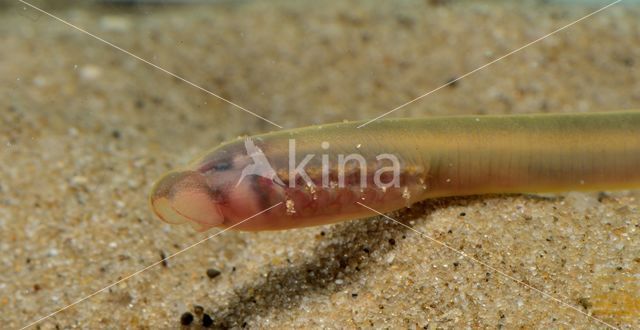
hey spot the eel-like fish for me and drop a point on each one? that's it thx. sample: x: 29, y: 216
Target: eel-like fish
x: 316, y: 175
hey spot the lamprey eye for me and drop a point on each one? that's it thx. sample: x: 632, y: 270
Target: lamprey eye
x: 222, y: 166
x: 218, y: 165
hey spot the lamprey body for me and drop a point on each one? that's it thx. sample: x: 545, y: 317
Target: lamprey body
x: 319, y: 173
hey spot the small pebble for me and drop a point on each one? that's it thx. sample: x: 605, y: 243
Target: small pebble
x: 186, y: 318
x: 39, y: 81
x: 115, y: 23
x: 452, y: 82
x: 213, y: 273
x: 198, y: 310
x: 207, y: 321
x: 79, y: 180
x: 90, y: 72
x: 390, y: 258
x: 163, y: 257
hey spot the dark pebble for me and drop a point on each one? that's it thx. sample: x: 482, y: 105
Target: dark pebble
x: 392, y: 241
x: 585, y: 303
x: 213, y: 273
x: 207, y: 321
x: 186, y: 318
x: 163, y: 257
x: 452, y: 82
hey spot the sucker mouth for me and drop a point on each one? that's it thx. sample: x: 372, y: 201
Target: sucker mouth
x: 162, y: 208
x: 184, y: 196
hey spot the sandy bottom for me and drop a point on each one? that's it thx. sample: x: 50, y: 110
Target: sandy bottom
x: 85, y: 129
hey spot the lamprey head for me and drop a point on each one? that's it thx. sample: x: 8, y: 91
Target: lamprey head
x: 220, y: 189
